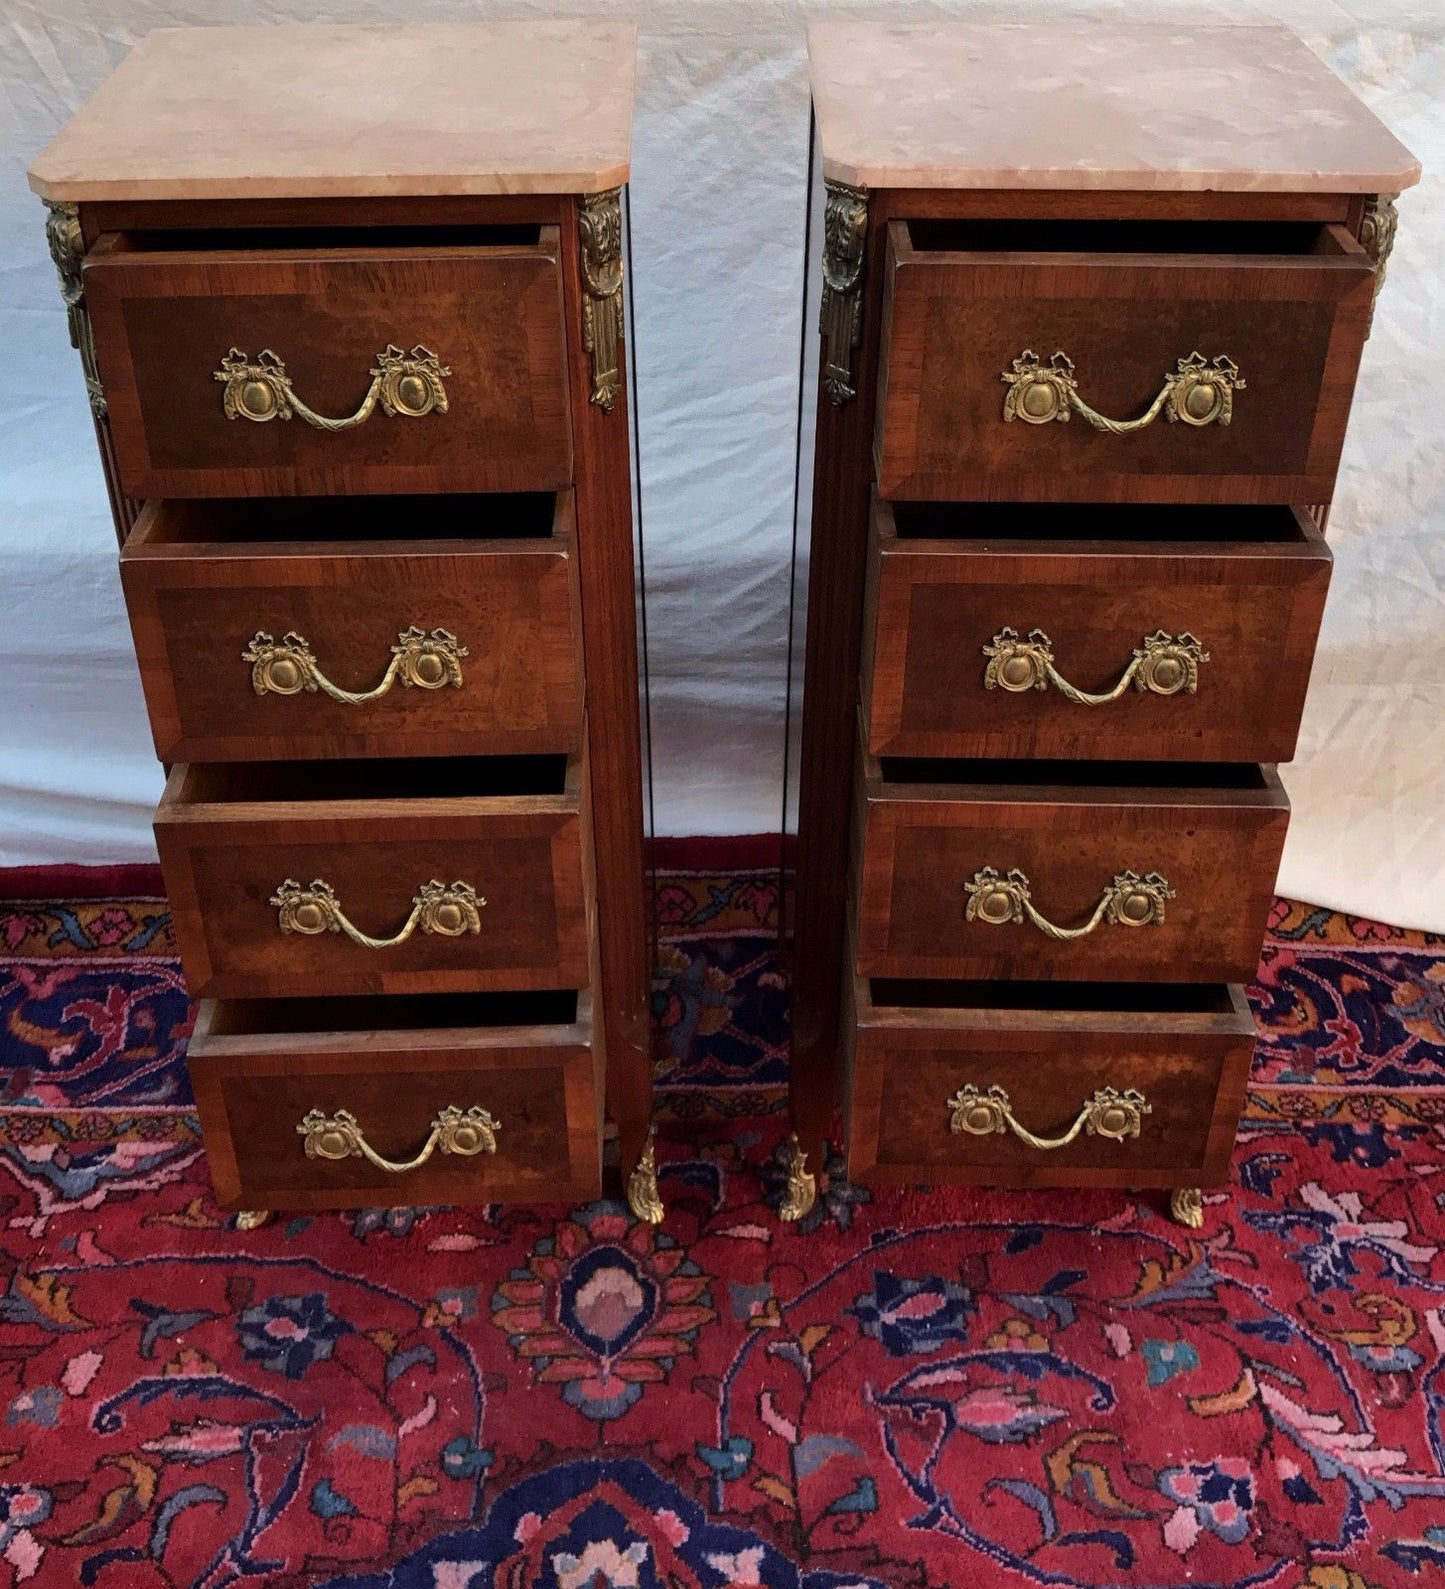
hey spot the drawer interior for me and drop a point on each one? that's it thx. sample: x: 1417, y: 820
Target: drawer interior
x: 1273, y: 238
x: 1272, y: 524
x: 1061, y: 776
x: 235, y: 521
x: 260, y: 1018
x: 404, y: 778
x: 1133, y: 998
x: 314, y: 239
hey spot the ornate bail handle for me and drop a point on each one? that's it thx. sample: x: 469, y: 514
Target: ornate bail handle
x: 407, y: 385
x: 288, y: 666
x: 1163, y: 664
x: 1108, y: 1113
x: 1198, y: 393
x: 339, y: 1136
x: 447, y: 909
x: 1129, y: 901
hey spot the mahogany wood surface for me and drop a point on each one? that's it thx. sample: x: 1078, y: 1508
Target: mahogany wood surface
x: 1097, y: 581
x: 602, y: 481
x: 1217, y: 847
x: 253, y: 1089
x: 165, y: 317
x: 1191, y: 1067
x: 201, y: 583
x: 955, y: 318
x: 224, y: 857
x: 842, y: 480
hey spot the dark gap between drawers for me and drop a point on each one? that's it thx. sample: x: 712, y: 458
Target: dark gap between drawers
x: 309, y: 239
x: 403, y: 778
x: 1122, y: 237
x: 421, y: 1012
x: 524, y: 515
x: 1073, y: 774
x: 1151, y: 998
x: 1147, y: 523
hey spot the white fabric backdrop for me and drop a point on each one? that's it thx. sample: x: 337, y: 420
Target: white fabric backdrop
x: 719, y: 177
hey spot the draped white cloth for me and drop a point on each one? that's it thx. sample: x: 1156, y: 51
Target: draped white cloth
x: 718, y: 211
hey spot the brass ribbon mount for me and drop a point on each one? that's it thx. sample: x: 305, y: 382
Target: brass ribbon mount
x: 1129, y: 901
x: 339, y: 1136
x: 406, y: 385
x: 447, y: 909
x: 1109, y: 1113
x: 418, y: 659
x: 1163, y: 664
x: 1199, y: 392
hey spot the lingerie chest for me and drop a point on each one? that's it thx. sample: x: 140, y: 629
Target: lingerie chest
x: 349, y: 306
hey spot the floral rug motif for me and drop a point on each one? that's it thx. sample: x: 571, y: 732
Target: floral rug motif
x: 911, y: 1388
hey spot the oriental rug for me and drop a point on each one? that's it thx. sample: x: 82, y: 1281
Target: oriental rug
x: 912, y: 1388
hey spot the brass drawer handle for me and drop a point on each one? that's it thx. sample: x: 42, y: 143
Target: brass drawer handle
x: 1198, y: 393
x: 1164, y: 664
x: 1108, y: 1113
x: 407, y: 385
x: 339, y: 1136
x: 288, y: 666
x: 1129, y: 901
x: 447, y: 909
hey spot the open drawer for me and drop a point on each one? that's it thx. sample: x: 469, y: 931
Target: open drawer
x: 1118, y: 361
x: 347, y: 1103
x: 1098, y: 631
x: 240, y: 364
x: 354, y: 877
x: 1066, y: 871
x: 1018, y: 1084
x: 283, y: 628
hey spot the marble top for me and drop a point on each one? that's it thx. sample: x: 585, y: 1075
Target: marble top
x: 1085, y: 104
x: 313, y: 111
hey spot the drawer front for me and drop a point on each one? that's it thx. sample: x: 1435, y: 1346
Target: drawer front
x: 537, y: 1090
x: 966, y: 881
x: 964, y: 414
x: 244, y: 933
x: 250, y: 653
x: 177, y: 333
x: 1166, y: 651
x: 922, y: 1105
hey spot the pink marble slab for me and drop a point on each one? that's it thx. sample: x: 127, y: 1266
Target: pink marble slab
x: 312, y: 111
x: 1083, y: 104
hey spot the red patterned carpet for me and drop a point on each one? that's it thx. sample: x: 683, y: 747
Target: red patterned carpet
x: 947, y: 1388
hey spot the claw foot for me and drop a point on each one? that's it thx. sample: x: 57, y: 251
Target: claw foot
x: 252, y: 1218
x: 1186, y: 1204
x: 642, y: 1196
x: 802, y: 1188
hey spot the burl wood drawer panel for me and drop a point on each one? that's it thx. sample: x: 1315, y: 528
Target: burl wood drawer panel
x: 303, y: 628
x: 999, y: 336
x: 944, y: 1094
x: 1117, y: 632
x: 446, y: 361
x: 508, y: 1109
x: 1047, y: 871
x: 464, y: 875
